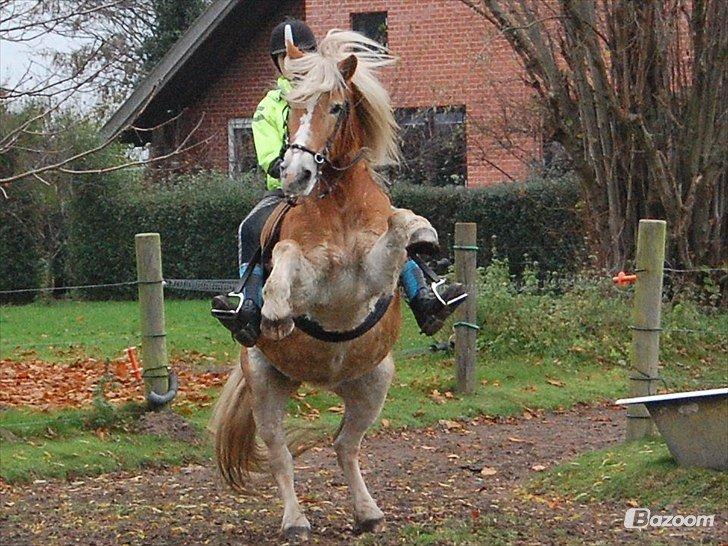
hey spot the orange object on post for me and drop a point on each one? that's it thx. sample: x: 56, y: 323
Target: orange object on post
x: 131, y: 354
x: 622, y: 279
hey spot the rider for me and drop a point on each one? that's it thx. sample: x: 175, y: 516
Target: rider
x: 269, y: 136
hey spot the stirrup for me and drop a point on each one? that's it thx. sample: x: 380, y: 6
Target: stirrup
x: 225, y: 313
x: 436, y: 284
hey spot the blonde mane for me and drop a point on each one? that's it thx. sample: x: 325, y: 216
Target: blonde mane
x: 318, y: 72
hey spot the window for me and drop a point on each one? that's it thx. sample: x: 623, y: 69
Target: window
x: 241, y: 150
x: 372, y: 25
x: 433, y: 145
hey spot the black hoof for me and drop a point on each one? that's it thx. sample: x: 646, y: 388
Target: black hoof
x: 423, y: 241
x: 369, y: 526
x: 297, y: 534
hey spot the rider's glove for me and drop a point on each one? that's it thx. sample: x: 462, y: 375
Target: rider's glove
x: 275, y: 168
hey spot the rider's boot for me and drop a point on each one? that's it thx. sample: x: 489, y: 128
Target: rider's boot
x: 430, y: 311
x: 245, y: 324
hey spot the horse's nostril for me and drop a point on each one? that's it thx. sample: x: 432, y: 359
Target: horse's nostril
x: 304, y: 177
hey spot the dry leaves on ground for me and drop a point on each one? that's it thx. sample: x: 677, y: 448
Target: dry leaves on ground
x: 46, y: 385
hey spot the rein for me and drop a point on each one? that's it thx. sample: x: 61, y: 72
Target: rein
x: 321, y: 159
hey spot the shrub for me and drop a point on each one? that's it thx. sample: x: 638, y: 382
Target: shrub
x: 197, y: 217
x: 20, y: 252
x: 536, y: 221
x: 584, y: 318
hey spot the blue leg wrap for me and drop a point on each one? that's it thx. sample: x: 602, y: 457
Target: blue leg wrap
x: 254, y: 287
x: 412, y: 279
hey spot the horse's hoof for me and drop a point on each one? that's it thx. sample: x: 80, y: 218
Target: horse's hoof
x: 423, y: 241
x: 276, y: 329
x: 374, y: 525
x: 297, y: 534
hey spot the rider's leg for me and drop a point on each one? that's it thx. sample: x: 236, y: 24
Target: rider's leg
x: 430, y: 311
x: 245, y: 326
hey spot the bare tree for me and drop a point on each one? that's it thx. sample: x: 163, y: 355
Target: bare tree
x: 107, y: 40
x: 637, y: 93
x: 106, y: 37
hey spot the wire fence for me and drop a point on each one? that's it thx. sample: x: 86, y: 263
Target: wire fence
x: 226, y: 285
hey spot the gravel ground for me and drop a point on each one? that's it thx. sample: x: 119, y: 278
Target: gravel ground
x: 430, y: 480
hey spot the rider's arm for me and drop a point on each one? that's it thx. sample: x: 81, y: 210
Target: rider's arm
x: 267, y: 136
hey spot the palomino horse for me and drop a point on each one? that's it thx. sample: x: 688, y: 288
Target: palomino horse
x: 336, y: 263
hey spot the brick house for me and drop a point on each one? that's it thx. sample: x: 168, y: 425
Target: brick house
x: 456, y: 79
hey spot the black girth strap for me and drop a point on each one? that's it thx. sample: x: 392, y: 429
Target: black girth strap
x: 303, y: 323
x: 315, y: 330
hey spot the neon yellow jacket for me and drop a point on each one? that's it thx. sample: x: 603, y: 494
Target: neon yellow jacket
x: 269, y: 128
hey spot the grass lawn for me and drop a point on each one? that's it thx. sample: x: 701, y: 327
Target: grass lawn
x: 537, y: 351
x: 64, y: 330
x: 642, y: 472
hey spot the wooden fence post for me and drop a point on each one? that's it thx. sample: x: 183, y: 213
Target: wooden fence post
x: 646, y: 313
x: 466, y: 328
x: 151, y: 307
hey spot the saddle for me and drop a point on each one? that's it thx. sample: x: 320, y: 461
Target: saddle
x: 271, y: 232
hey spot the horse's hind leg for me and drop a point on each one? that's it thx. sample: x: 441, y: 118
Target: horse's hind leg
x: 271, y: 390
x: 363, y: 400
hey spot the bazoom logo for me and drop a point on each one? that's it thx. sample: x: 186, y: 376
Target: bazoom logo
x: 640, y: 518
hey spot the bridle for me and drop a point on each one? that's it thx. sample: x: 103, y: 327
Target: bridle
x: 322, y: 158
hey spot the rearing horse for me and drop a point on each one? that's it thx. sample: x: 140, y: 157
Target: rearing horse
x: 337, y: 261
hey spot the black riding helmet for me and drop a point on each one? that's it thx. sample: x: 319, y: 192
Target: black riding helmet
x: 303, y: 38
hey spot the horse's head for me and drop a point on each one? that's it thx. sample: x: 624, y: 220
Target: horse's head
x: 316, y: 130
x: 336, y: 108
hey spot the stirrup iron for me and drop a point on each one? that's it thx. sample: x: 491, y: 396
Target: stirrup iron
x: 230, y: 312
x: 436, y: 284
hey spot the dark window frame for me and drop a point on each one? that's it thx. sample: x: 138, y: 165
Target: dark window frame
x: 239, y: 165
x: 434, y: 145
x: 362, y: 22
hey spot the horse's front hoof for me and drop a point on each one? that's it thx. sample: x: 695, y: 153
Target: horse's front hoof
x: 423, y: 241
x: 276, y: 329
x: 374, y: 525
x: 297, y: 534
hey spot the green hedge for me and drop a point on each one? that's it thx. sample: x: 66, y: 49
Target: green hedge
x: 21, y: 263
x: 197, y: 217
x: 536, y: 221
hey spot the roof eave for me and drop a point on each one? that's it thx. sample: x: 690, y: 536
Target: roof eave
x: 166, y: 69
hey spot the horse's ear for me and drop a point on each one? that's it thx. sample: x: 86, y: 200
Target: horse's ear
x: 347, y: 67
x: 292, y: 51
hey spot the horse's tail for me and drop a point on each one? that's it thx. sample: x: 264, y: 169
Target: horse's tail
x: 236, y: 450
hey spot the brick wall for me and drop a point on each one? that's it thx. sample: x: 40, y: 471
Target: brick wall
x: 448, y: 56
x: 451, y: 56
x: 238, y: 90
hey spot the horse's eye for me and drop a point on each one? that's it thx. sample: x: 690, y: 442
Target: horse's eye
x: 336, y: 109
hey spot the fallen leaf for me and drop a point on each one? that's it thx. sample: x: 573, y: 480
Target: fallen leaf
x: 450, y: 425
x: 488, y: 471
x: 538, y: 467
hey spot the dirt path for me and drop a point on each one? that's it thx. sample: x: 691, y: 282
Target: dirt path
x: 429, y: 478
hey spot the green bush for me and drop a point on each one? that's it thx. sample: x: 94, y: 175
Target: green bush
x: 536, y: 221
x: 197, y: 217
x: 20, y: 252
x: 584, y: 318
